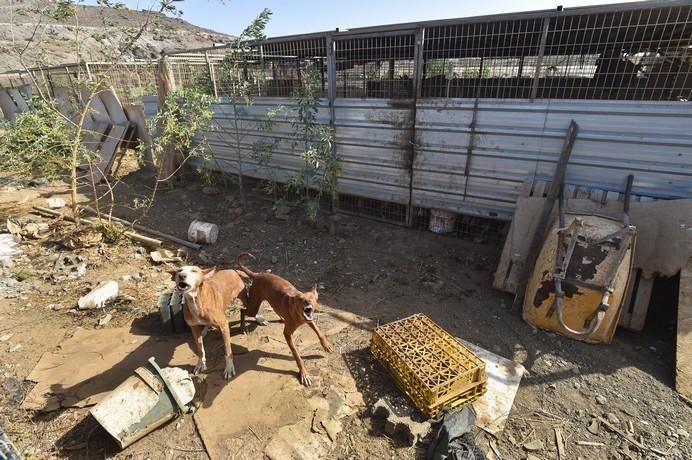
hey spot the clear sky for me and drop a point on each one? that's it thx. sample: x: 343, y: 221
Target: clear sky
x: 304, y: 16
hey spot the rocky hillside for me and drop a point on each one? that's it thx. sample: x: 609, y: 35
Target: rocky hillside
x: 52, y: 42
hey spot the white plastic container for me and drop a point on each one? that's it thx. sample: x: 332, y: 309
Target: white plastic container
x: 442, y: 222
x: 99, y: 296
x: 202, y: 232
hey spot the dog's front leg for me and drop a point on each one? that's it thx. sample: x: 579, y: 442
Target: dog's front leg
x: 229, y: 372
x: 323, y: 340
x: 304, y: 376
x: 197, y: 333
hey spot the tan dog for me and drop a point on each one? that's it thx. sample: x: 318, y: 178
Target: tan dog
x: 293, y: 306
x: 207, y: 293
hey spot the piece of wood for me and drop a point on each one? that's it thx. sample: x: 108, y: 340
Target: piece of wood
x: 19, y: 100
x: 589, y: 443
x: 640, y: 307
x: 113, y: 107
x: 7, y: 105
x: 151, y: 231
x: 132, y: 235
x: 538, y: 188
x: 560, y: 443
x: 626, y: 311
x: 624, y: 435
x: 683, y: 359
x: 544, y: 219
x: 109, y: 147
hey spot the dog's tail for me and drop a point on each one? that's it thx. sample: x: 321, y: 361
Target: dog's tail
x: 239, y: 261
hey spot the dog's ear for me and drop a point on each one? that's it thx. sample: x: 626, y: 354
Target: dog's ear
x: 314, y: 291
x: 208, y: 272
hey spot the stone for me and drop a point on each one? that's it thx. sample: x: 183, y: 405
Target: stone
x: 105, y: 320
x: 612, y: 418
x: 332, y: 427
x: 398, y: 422
x: 5, y: 337
x: 683, y: 434
x: 56, y: 203
x: 534, y: 445
x: 600, y: 399
x: 275, y: 259
x: 15, y: 348
x: 594, y: 427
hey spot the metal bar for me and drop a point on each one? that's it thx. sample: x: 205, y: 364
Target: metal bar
x: 539, y: 60
x: 331, y: 97
x: 553, y: 192
x: 469, y: 150
x: 418, y: 60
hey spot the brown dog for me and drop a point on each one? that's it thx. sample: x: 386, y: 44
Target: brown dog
x: 293, y: 306
x: 206, y: 294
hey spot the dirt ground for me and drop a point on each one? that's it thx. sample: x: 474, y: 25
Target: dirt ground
x: 378, y: 271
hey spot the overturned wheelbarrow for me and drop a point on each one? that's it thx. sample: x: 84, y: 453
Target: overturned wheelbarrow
x: 144, y: 402
x: 581, y: 276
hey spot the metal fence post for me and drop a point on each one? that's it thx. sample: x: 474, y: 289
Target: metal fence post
x: 331, y: 97
x: 539, y: 59
x: 418, y: 66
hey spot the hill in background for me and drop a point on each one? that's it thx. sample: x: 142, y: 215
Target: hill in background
x: 52, y: 43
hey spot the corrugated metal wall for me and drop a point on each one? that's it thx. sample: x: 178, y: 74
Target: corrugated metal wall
x: 513, y: 140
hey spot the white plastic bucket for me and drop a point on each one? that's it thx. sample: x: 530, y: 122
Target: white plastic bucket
x: 442, y: 221
x: 202, y: 232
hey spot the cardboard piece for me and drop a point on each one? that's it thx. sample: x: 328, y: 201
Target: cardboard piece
x: 266, y: 391
x: 94, y: 362
x: 504, y: 377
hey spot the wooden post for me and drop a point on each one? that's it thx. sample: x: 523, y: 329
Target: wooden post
x: 417, y: 91
x: 212, y: 77
x: 168, y: 162
x: 543, y: 220
x: 683, y: 360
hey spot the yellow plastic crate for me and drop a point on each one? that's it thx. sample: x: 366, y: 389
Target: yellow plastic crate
x: 428, y: 364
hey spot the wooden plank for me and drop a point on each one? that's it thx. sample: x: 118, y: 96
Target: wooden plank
x: 110, y: 145
x: 539, y: 188
x: 544, y: 218
x: 7, y: 105
x: 96, y: 108
x: 18, y: 99
x: 683, y: 360
x: 525, y: 189
x: 640, y: 308
x: 113, y: 107
x: 626, y: 311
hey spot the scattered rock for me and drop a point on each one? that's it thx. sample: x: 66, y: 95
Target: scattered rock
x: 56, y: 203
x: 318, y: 417
x: 105, y: 320
x: 398, y: 422
x: 653, y: 349
x: 594, y: 427
x: 14, y: 389
x: 275, y: 259
x: 534, y: 445
x: 683, y: 434
x: 600, y: 399
x: 612, y: 418
x: 15, y: 348
x: 332, y: 427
